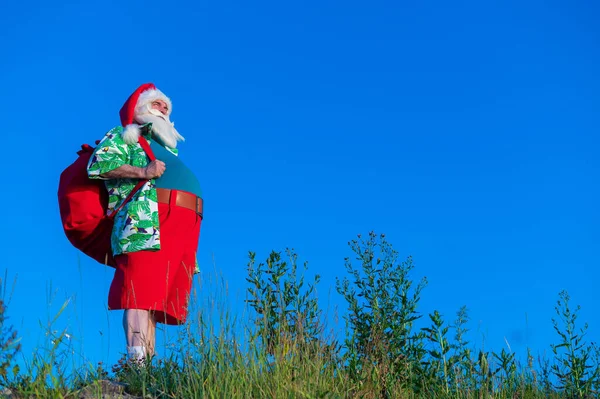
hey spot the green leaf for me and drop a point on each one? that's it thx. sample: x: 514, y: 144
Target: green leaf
x: 107, y: 166
x: 138, y: 237
x: 152, y: 195
x: 144, y: 224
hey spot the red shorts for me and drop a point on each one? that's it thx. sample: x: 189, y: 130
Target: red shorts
x: 160, y: 281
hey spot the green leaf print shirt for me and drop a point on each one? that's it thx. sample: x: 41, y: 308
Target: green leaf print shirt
x: 136, y: 225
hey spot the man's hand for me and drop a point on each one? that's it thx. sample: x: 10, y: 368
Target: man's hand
x: 155, y: 169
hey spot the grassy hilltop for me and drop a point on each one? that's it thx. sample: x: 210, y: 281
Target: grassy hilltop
x: 284, y: 349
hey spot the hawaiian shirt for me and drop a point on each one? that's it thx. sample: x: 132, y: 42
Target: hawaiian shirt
x: 136, y: 225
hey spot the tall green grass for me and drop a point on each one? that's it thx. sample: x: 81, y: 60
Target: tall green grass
x: 282, y: 347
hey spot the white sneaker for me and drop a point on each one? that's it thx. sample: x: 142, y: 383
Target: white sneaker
x: 136, y: 355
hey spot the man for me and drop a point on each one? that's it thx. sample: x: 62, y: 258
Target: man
x: 156, y: 232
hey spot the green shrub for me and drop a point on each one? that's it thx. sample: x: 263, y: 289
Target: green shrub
x: 381, y: 345
x: 573, y: 367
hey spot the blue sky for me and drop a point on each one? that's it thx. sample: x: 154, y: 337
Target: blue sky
x: 464, y: 131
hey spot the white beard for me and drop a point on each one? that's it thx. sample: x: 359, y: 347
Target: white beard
x: 161, y: 125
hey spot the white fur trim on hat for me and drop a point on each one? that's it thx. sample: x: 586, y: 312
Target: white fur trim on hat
x: 151, y: 95
x: 131, y: 133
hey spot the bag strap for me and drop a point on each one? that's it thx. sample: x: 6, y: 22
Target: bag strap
x: 146, y: 147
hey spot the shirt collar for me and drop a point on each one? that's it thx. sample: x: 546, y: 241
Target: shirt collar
x: 146, y: 130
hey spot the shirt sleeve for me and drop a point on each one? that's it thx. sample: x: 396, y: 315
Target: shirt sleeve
x: 110, y: 154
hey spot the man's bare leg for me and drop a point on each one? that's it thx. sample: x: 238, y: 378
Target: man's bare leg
x: 151, y: 335
x: 135, y: 324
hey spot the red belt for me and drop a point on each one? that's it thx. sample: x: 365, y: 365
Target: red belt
x: 184, y: 200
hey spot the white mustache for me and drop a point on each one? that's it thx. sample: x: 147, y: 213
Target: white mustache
x: 162, y: 126
x: 156, y: 112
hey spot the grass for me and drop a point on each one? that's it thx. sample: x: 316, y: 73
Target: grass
x: 282, y: 348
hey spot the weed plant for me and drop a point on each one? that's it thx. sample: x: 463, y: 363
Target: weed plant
x: 282, y: 348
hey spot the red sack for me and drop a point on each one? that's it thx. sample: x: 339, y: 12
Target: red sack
x: 83, y: 203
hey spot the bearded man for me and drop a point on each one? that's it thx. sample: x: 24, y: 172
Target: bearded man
x: 156, y: 231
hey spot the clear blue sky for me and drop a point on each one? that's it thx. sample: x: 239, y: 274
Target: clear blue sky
x: 466, y: 131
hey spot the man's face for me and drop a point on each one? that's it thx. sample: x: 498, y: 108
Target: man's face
x: 161, y: 106
x: 157, y: 113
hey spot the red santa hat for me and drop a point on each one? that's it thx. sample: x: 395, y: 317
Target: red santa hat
x: 143, y: 95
